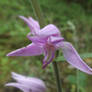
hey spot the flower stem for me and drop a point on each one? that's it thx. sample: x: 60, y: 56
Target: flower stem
x: 56, y: 71
x: 37, y: 12
x: 40, y: 18
x: 77, y: 77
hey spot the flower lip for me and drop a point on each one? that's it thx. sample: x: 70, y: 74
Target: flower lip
x: 49, y: 50
x: 45, y: 63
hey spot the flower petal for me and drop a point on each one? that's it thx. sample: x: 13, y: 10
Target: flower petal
x: 27, y: 84
x: 31, y: 82
x: 24, y: 79
x: 17, y: 77
x: 45, y: 56
x: 49, y: 30
x: 73, y: 57
x: 36, y: 39
x: 30, y: 50
x: 33, y: 24
x: 22, y: 87
x: 47, y: 61
x: 54, y: 40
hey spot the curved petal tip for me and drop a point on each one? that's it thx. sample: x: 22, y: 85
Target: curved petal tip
x: 73, y: 58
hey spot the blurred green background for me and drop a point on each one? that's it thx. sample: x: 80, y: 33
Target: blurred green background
x: 74, y: 19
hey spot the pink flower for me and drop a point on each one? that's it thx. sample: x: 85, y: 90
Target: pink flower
x: 27, y: 84
x: 46, y: 41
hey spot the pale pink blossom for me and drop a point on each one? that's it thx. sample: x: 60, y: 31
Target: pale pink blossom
x: 47, y: 41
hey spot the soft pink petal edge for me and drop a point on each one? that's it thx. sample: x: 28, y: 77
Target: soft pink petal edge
x: 30, y: 50
x: 33, y: 24
x: 49, y: 30
x: 20, y: 86
x: 28, y: 80
x: 73, y: 57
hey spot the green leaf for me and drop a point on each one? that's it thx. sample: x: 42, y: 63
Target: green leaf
x: 72, y: 79
x: 81, y: 78
x: 86, y: 55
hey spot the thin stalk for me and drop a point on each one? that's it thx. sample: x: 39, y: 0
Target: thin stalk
x: 56, y: 71
x: 77, y: 77
x: 37, y: 12
x: 40, y: 18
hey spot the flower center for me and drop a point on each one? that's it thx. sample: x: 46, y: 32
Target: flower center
x: 50, y: 47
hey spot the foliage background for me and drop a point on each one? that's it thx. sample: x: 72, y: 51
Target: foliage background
x: 74, y: 19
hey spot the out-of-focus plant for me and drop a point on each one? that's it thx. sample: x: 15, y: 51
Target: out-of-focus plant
x: 75, y: 12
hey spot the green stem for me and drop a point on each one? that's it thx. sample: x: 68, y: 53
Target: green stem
x: 37, y: 12
x: 56, y: 71
x: 77, y: 73
x: 40, y: 18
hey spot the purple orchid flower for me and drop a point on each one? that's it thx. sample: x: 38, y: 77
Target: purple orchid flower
x: 46, y: 41
x: 27, y: 84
